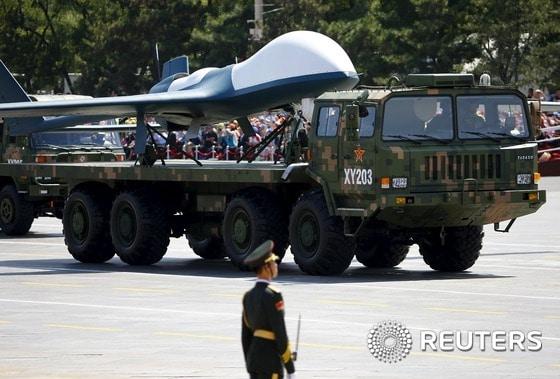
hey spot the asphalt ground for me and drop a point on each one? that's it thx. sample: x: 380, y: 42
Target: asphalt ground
x: 181, y: 318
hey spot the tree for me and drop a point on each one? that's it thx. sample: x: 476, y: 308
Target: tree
x: 509, y: 33
x: 422, y: 35
x: 37, y: 40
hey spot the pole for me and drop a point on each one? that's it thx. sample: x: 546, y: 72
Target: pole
x: 258, y: 20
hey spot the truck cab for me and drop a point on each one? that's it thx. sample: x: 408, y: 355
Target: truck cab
x: 429, y: 161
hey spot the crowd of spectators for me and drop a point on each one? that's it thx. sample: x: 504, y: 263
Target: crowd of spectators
x: 547, y: 133
x: 218, y: 141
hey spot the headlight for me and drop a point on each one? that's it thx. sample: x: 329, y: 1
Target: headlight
x: 400, y: 182
x: 524, y: 178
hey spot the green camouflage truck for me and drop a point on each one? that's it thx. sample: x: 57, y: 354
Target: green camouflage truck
x: 427, y: 162
x: 24, y: 198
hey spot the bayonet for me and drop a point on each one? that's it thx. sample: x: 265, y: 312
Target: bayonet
x: 295, y: 353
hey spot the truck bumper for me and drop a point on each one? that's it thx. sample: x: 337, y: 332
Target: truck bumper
x: 458, y: 208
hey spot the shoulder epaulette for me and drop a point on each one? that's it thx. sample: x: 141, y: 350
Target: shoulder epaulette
x: 273, y: 289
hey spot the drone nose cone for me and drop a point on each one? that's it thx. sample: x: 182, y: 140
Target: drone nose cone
x: 297, y: 57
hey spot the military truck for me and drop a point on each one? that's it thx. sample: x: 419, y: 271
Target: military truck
x: 24, y: 198
x: 428, y: 161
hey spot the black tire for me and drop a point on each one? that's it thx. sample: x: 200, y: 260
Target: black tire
x: 86, y: 227
x: 317, y: 238
x: 16, y: 213
x: 208, y: 248
x: 379, y: 251
x: 140, y: 228
x: 252, y: 217
x: 460, y: 250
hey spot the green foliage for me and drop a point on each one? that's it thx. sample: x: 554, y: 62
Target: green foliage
x: 111, y: 42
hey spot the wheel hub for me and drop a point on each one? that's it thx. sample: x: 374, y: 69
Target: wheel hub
x: 127, y: 224
x: 7, y: 211
x: 308, y: 232
x: 79, y: 222
x: 241, y: 229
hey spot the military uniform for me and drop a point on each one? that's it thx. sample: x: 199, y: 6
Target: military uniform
x: 263, y: 334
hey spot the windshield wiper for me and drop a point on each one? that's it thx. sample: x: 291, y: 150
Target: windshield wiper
x: 405, y: 138
x: 51, y: 146
x: 94, y: 145
x: 441, y: 140
x: 480, y: 134
x: 505, y: 135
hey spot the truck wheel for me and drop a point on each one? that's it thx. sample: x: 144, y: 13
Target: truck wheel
x: 379, y: 251
x: 86, y: 231
x: 459, y: 252
x: 251, y: 218
x: 16, y: 213
x: 140, y: 228
x: 208, y: 248
x: 317, y: 238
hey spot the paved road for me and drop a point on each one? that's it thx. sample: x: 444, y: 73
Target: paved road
x: 181, y: 317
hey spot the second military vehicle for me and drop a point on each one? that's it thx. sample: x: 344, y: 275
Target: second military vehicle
x: 24, y: 198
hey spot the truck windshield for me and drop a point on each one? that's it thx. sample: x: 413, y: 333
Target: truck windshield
x: 491, y: 116
x: 418, y: 118
x: 77, y: 139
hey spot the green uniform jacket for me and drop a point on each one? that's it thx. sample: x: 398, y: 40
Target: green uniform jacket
x: 263, y: 333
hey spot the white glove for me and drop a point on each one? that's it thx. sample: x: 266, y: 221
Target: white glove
x: 292, y: 376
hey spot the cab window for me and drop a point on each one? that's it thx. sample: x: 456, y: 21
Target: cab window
x: 367, y: 124
x: 417, y: 118
x: 491, y: 116
x: 328, y: 121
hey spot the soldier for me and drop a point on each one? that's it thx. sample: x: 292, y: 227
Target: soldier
x: 264, y: 338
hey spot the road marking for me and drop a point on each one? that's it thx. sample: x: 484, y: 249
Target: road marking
x: 144, y: 290
x: 489, y: 294
x: 4, y: 322
x: 42, y: 284
x: 203, y: 336
x: 520, y: 267
x: 517, y: 245
x: 331, y: 347
x: 459, y: 357
x: 113, y: 269
x: 62, y: 244
x: 237, y: 295
x: 463, y: 310
x: 30, y: 243
x: 552, y: 317
x: 556, y: 366
x: 352, y: 302
x: 120, y: 307
x: 83, y: 327
x: 33, y: 255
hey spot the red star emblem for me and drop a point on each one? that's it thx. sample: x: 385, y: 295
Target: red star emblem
x: 359, y: 154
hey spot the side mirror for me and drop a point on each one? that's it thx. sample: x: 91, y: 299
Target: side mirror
x: 352, y: 127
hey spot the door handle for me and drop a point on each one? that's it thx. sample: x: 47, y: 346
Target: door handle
x: 334, y: 156
x: 347, y: 156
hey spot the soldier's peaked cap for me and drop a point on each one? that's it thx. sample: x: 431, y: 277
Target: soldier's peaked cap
x: 261, y: 255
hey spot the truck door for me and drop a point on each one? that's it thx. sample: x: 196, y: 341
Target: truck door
x: 324, y: 151
x: 356, y: 158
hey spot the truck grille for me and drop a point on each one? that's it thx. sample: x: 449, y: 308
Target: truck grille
x: 483, y: 166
